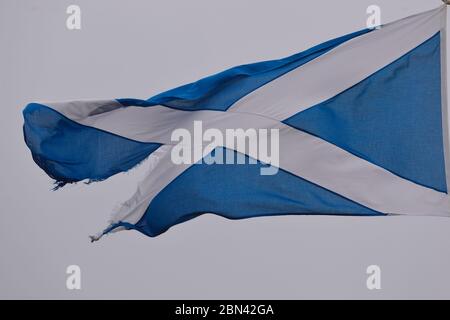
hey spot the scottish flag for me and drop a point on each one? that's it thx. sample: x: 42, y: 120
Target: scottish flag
x: 362, y: 123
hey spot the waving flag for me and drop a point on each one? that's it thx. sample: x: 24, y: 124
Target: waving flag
x: 362, y: 122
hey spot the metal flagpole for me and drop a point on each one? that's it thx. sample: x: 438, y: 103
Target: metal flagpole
x: 444, y: 95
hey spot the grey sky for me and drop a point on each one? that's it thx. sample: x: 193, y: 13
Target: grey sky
x: 137, y: 49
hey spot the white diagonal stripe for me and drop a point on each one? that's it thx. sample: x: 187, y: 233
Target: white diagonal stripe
x: 340, y: 68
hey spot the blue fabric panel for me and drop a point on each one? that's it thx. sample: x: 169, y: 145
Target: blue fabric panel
x: 71, y: 152
x: 238, y: 191
x: 392, y: 118
x: 220, y: 91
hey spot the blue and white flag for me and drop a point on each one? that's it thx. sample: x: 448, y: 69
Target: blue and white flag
x: 362, y: 129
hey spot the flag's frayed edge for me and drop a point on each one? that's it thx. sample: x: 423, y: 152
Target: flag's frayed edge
x: 121, y: 211
x: 58, y: 183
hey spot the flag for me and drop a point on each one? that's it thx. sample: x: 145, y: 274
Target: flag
x: 361, y: 123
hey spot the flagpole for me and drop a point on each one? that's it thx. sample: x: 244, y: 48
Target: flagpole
x: 444, y: 93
